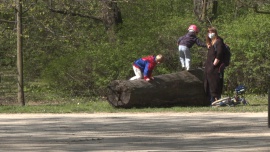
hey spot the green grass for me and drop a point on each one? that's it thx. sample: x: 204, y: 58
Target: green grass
x: 258, y: 103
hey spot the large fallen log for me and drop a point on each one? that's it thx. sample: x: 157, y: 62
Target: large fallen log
x: 183, y: 88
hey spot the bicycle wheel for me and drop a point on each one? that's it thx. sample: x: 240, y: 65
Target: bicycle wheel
x: 244, y: 101
x: 217, y: 102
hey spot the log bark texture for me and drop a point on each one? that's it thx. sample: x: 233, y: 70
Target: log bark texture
x: 183, y: 88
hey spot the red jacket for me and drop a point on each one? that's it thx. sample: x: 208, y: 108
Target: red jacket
x: 146, y: 65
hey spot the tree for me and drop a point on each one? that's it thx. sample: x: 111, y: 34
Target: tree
x: 110, y: 13
x: 7, y: 19
x: 20, y: 52
x: 205, y: 10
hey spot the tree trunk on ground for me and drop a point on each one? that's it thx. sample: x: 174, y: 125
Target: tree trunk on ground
x: 184, y: 88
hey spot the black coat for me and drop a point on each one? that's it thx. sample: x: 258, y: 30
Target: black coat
x: 189, y: 40
x: 213, y: 83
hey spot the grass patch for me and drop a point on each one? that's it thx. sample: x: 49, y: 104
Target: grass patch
x: 258, y: 103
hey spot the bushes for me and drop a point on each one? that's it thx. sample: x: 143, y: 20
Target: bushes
x: 249, y: 43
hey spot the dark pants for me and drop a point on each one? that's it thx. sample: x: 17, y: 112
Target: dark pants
x: 213, y: 85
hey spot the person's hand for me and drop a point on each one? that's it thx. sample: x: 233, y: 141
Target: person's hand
x: 208, y: 46
x: 152, y: 78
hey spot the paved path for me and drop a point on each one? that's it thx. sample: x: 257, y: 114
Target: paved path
x: 135, y: 132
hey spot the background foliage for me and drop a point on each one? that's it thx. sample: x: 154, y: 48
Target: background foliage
x: 75, y: 56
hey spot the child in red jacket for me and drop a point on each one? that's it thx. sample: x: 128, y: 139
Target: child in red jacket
x: 144, y: 66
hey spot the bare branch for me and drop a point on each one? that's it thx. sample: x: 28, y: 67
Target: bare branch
x: 32, y: 4
x: 257, y: 11
x: 255, y: 7
x: 6, y: 21
x: 75, y: 14
x: 38, y: 23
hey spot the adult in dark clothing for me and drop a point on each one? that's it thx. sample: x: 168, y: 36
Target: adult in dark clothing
x: 185, y: 43
x: 214, y: 67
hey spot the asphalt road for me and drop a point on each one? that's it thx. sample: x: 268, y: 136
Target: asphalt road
x: 135, y: 132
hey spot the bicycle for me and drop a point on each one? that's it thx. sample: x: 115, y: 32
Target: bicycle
x: 238, y: 98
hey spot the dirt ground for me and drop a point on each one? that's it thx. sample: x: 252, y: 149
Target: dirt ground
x: 135, y: 132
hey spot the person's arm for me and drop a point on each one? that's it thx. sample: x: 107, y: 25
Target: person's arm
x: 148, y: 71
x: 216, y: 61
x: 218, y: 49
x: 200, y: 43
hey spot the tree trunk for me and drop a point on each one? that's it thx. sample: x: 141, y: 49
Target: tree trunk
x: 19, y: 53
x: 184, y: 88
x: 204, y: 10
x: 111, y: 18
